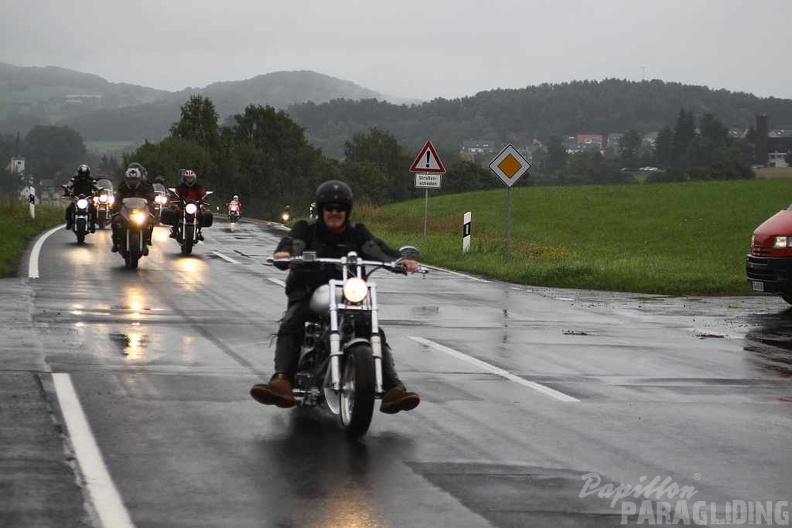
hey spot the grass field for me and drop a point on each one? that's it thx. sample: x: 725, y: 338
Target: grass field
x: 676, y: 238
x: 17, y: 229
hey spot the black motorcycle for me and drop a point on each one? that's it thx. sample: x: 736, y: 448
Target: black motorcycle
x: 133, y: 221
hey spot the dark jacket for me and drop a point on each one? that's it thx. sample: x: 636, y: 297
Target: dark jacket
x: 314, y: 236
x: 143, y: 190
x: 80, y: 185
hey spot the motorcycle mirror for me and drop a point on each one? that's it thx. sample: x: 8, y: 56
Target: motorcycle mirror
x: 208, y: 193
x: 409, y: 252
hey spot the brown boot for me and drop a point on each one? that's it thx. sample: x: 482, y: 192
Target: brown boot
x: 277, y: 392
x: 398, y: 399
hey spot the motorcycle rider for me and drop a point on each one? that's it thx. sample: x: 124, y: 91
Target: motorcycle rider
x: 189, y: 190
x: 81, y: 183
x: 331, y: 235
x: 133, y: 186
x: 235, y: 201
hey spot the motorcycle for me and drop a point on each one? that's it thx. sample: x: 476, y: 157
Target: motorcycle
x: 233, y: 212
x: 81, y: 221
x: 187, y: 219
x: 103, y: 202
x: 340, y: 365
x: 285, y: 216
x: 160, y: 201
x: 133, y: 222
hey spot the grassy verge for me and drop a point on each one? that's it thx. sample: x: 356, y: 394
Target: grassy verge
x: 17, y: 229
x: 677, y: 239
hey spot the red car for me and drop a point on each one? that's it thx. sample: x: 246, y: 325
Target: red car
x: 769, y: 265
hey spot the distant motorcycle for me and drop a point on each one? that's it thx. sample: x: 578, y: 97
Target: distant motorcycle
x: 233, y: 212
x: 133, y: 221
x: 340, y: 365
x: 285, y: 217
x: 160, y: 201
x: 103, y: 201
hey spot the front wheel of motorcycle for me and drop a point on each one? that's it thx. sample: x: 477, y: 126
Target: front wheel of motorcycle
x: 357, y: 391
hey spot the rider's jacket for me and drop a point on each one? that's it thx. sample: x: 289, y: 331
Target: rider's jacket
x: 80, y: 185
x: 143, y: 190
x: 191, y: 193
x: 314, y: 236
x: 231, y: 203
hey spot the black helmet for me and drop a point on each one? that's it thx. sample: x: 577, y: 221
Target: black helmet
x: 83, y: 171
x: 334, y: 192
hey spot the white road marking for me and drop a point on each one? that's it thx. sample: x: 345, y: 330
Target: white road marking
x: 547, y: 391
x: 33, y: 263
x: 277, y: 281
x: 101, y: 489
x: 224, y: 257
x: 455, y: 273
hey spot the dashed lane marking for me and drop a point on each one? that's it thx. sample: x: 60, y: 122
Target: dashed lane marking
x: 547, y: 391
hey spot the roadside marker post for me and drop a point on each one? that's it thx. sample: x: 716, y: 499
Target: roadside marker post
x: 466, y: 218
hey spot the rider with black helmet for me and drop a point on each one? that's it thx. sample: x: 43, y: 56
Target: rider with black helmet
x: 331, y: 235
x: 133, y: 186
x: 81, y: 183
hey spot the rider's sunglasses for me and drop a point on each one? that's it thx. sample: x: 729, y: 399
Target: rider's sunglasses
x: 334, y: 208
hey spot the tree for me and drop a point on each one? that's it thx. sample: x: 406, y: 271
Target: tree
x: 630, y: 147
x: 664, y: 148
x: 383, y: 151
x: 556, y: 157
x: 50, y: 150
x: 198, y: 123
x: 684, y: 132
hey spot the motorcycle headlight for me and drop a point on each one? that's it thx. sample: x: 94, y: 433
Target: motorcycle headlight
x: 161, y: 200
x: 191, y: 208
x: 355, y: 290
x: 138, y: 217
x: 103, y: 198
x: 111, y: 200
x: 82, y: 203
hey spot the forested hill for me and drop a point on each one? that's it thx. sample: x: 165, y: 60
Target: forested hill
x: 520, y: 115
x: 278, y: 89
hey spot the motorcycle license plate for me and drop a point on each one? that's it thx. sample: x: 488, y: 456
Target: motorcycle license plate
x: 757, y: 286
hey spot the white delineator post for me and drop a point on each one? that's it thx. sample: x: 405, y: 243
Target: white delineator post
x: 466, y: 231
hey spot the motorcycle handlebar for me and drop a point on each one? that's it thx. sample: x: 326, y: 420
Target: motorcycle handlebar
x: 292, y: 262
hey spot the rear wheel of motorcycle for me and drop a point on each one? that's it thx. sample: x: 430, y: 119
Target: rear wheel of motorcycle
x: 357, y: 391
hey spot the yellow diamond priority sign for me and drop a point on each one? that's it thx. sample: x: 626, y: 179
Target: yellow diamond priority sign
x: 509, y: 165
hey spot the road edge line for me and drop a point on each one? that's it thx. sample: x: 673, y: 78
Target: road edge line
x: 103, y: 493
x: 33, y: 261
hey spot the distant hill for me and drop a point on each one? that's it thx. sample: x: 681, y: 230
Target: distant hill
x: 279, y: 89
x: 49, y: 95
x: 519, y: 115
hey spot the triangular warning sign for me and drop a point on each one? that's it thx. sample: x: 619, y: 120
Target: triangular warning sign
x: 428, y: 160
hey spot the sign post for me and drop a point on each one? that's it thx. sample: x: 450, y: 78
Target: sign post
x: 428, y: 170
x: 509, y: 166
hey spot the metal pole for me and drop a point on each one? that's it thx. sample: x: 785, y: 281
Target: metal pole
x: 508, y: 225
x: 426, y: 213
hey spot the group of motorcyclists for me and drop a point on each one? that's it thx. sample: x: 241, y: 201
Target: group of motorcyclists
x: 328, y: 231
x: 135, y: 185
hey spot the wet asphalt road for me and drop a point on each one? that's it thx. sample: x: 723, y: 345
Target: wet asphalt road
x: 527, y: 393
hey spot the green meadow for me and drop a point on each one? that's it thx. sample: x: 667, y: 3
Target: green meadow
x: 675, y: 239
x: 17, y: 230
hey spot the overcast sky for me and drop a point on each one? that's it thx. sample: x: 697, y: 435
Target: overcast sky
x: 410, y: 48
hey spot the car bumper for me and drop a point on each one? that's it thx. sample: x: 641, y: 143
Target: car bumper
x: 769, y: 274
